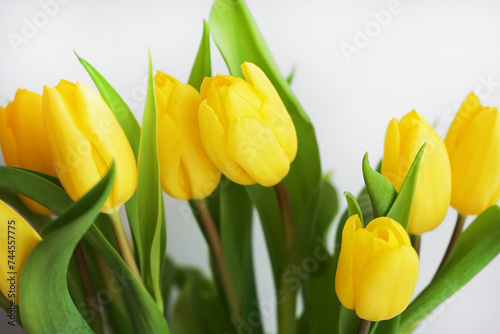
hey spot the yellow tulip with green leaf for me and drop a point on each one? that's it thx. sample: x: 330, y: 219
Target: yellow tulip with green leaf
x: 377, y: 269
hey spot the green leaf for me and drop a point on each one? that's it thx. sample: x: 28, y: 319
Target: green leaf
x: 320, y: 299
x: 44, y: 273
x: 239, y: 40
x: 476, y: 247
x: 289, y: 78
x: 353, y: 206
x: 133, y: 132
x: 401, y: 208
x: 122, y: 112
x: 150, y: 198
x: 199, y: 309
x: 382, y: 192
x: 236, y: 234
x: 146, y: 316
x: 202, y: 66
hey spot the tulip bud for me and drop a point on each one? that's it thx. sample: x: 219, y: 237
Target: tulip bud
x: 403, y: 140
x: 85, y: 138
x: 186, y: 170
x: 245, y: 128
x: 17, y: 239
x: 377, y: 270
x: 473, y: 143
x: 23, y: 139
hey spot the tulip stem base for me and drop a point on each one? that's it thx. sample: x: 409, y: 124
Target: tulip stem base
x: 123, y: 244
x: 364, y: 326
x: 459, y: 226
x: 416, y: 241
x: 215, y: 244
x: 286, y: 213
x: 83, y: 270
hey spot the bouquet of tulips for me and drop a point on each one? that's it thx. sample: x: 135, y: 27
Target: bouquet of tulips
x: 78, y: 163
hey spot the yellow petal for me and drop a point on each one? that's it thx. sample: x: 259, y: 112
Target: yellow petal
x: 19, y: 237
x: 215, y: 142
x: 344, y: 277
x: 386, y: 284
x: 390, y: 161
x: 475, y: 164
x: 253, y: 146
x: 272, y: 109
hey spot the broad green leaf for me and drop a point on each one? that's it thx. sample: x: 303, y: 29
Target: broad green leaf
x: 320, y: 299
x: 150, y: 198
x: 401, y: 208
x: 133, y: 132
x: 382, y: 192
x: 348, y: 321
x: 239, y: 40
x: 202, y: 66
x: 36, y: 221
x: 476, y: 247
x: 44, y: 273
x: 146, y: 316
x: 199, y: 309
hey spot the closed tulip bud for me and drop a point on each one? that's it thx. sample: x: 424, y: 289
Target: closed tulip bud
x: 186, y: 170
x: 403, y: 140
x: 377, y: 269
x: 473, y: 143
x: 23, y: 139
x: 245, y: 128
x: 85, y: 138
x: 17, y: 239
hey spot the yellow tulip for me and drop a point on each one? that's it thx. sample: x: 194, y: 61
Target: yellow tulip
x: 473, y: 143
x: 377, y: 269
x: 23, y: 139
x: 403, y: 139
x: 17, y: 239
x: 85, y: 138
x: 245, y: 128
x: 186, y: 170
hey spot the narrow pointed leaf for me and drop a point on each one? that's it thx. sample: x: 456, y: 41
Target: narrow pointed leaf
x: 150, y: 198
x: 401, y: 208
x: 353, y: 206
x: 382, y: 192
x: 202, y: 66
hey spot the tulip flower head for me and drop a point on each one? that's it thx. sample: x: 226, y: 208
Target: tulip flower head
x: 23, y: 139
x: 473, y: 143
x: 377, y: 269
x: 17, y: 239
x: 85, y: 138
x: 245, y: 128
x: 403, y: 140
x: 186, y: 170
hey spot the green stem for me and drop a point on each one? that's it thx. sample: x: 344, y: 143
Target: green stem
x: 286, y: 214
x: 287, y: 305
x: 123, y: 244
x: 286, y: 309
x: 215, y: 244
x: 459, y: 226
x: 416, y: 240
x: 96, y: 322
x: 364, y: 326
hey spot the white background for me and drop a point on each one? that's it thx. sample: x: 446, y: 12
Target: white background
x: 426, y: 56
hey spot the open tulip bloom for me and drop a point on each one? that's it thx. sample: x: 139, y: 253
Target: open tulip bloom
x: 232, y: 144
